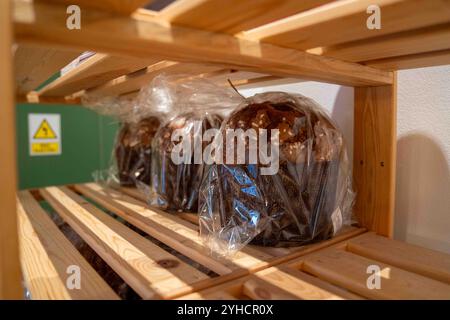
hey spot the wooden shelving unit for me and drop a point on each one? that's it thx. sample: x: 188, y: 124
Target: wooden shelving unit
x: 249, y: 42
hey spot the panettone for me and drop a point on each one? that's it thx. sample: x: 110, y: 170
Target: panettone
x: 175, y: 187
x: 133, y: 151
x: 296, y: 205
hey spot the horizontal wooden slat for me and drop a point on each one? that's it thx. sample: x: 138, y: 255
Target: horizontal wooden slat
x: 141, y: 36
x: 191, y: 217
x: 173, y: 231
x: 137, y: 194
x: 46, y: 255
x: 257, y: 289
x: 232, y: 16
x: 398, y: 44
x: 349, y: 271
x: 134, y: 81
x: 220, y: 295
x: 420, y: 60
x: 116, y: 6
x: 34, y: 65
x: 274, y: 283
x: 234, y: 76
x: 432, y: 264
x: 33, y: 97
x: 266, y: 80
x: 280, y: 283
x: 231, y: 289
x: 148, y: 269
x: 133, y: 192
x: 96, y: 70
x: 285, y: 254
x: 345, y: 21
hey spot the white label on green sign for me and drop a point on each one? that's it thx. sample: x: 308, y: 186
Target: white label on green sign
x: 44, y: 132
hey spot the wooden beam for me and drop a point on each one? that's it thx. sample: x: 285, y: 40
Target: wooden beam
x: 34, y: 65
x: 345, y: 21
x: 124, y: 7
x: 134, y: 81
x: 10, y: 274
x: 141, y: 36
x: 264, y: 81
x: 398, y: 44
x: 374, y: 157
x: 33, y: 97
x: 234, y: 76
x: 96, y: 70
x: 129, y: 85
x: 232, y: 16
x: 412, y: 61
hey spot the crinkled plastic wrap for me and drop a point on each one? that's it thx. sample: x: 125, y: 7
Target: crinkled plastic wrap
x: 199, y: 105
x: 139, y: 119
x: 308, y: 199
x: 132, y: 151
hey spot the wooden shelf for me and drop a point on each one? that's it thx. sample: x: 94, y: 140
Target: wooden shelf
x: 333, y: 269
x: 153, y: 272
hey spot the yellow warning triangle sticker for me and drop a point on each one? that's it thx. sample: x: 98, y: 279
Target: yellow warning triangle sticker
x: 45, y: 131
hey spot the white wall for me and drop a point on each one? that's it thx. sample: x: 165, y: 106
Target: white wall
x: 423, y: 148
x: 423, y: 157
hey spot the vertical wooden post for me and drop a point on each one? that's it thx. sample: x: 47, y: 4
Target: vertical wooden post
x: 10, y: 275
x: 375, y: 137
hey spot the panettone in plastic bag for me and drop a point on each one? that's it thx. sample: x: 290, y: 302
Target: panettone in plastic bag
x: 307, y: 199
x: 198, y: 105
x: 139, y: 119
x: 132, y: 150
x: 176, y: 185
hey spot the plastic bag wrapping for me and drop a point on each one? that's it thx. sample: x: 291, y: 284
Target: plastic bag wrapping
x: 140, y: 117
x: 132, y: 151
x: 197, y: 105
x: 307, y: 199
x: 120, y: 108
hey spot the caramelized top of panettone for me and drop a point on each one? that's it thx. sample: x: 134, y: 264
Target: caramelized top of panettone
x: 300, y: 129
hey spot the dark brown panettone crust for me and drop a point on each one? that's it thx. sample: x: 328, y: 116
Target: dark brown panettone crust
x: 133, y: 151
x: 176, y: 186
x: 293, y: 124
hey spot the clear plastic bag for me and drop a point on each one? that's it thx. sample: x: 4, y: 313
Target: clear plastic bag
x: 132, y: 151
x: 307, y: 199
x: 139, y: 118
x: 197, y: 105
